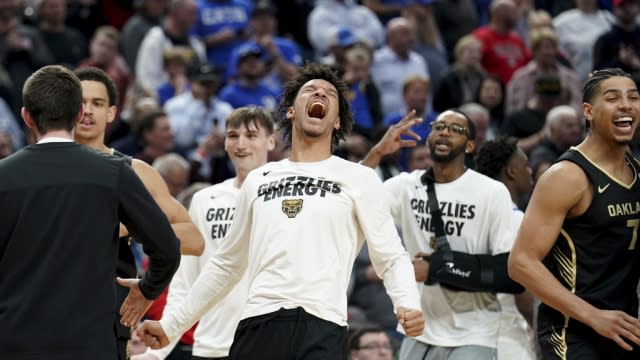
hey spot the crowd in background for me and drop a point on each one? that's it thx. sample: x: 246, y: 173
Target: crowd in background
x: 515, y: 67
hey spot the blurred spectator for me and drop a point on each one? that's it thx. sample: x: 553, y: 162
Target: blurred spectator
x: 491, y: 95
x: 555, y: 7
x: 563, y: 129
x: 22, y: 51
x: 415, y: 93
x: 538, y: 19
x: 6, y: 144
x: 420, y: 157
x: 174, y: 169
x: 148, y: 14
x: 462, y: 82
x: 186, y: 195
x: 544, y: 48
x: 67, y: 45
x: 523, y: 9
x: 282, y: 55
x: 154, y: 131
x: 527, y: 124
x: 386, y: 10
x: 503, y: 50
x: 296, y: 14
x: 578, y: 29
x: 194, y: 114
x: 175, y: 61
x: 247, y: 87
x: 86, y: 15
x: 396, y: 62
x: 480, y: 117
x: 174, y: 31
x: 328, y: 14
x: 428, y: 41
x: 363, y: 96
x: 124, y: 137
x: 370, y: 343
x: 620, y: 46
x: 222, y: 25
x: 10, y: 126
x: 342, y: 39
x: 455, y: 18
x: 104, y: 54
x: 354, y: 147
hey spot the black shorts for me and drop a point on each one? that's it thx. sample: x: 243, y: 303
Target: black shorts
x: 289, y: 334
x: 584, y: 345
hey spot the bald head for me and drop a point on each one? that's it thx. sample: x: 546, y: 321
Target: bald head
x: 400, y: 36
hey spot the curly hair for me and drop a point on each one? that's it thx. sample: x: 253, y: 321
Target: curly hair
x: 310, y: 72
x: 494, y: 155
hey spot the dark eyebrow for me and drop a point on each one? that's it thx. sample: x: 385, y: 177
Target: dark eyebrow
x: 608, y: 91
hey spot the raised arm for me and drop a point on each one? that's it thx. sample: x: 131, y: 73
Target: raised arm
x: 191, y: 240
x: 562, y: 191
x: 392, y: 140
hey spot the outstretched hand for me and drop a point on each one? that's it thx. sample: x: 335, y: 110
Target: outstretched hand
x: 617, y: 326
x: 135, y: 305
x: 392, y: 140
x: 151, y: 334
x: 411, y: 321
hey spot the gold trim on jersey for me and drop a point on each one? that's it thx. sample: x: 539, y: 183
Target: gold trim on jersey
x: 633, y: 168
x: 567, y: 268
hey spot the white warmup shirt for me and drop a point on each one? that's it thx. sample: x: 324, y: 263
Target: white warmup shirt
x: 514, y: 342
x: 212, y: 212
x: 297, y: 230
x: 477, y: 216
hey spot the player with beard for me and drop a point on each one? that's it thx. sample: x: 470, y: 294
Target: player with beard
x: 99, y: 96
x: 298, y: 225
x: 577, y: 246
x: 459, y: 300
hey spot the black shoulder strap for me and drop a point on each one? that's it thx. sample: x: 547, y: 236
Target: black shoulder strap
x: 441, y: 241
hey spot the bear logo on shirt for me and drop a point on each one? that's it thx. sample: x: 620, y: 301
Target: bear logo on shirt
x: 291, y: 207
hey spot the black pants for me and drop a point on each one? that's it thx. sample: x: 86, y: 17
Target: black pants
x: 585, y: 345
x: 207, y: 358
x: 123, y: 353
x: 288, y: 335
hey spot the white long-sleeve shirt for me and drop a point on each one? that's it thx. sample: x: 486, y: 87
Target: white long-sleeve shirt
x: 212, y: 212
x: 297, y: 230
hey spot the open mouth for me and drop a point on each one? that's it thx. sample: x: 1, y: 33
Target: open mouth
x: 85, y: 122
x: 623, y: 122
x: 317, y: 110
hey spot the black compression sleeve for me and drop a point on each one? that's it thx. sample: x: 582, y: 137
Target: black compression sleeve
x: 470, y: 272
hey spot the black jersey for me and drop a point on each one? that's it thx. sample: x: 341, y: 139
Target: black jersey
x: 596, y: 253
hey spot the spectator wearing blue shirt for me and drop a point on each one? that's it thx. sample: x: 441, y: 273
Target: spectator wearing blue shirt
x: 175, y: 62
x: 363, y: 95
x: 222, y: 26
x: 247, y: 87
x: 282, y: 55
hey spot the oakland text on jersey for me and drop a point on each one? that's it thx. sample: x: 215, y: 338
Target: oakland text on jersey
x: 220, y: 220
x: 297, y: 186
x: 456, y: 210
x: 623, y: 209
